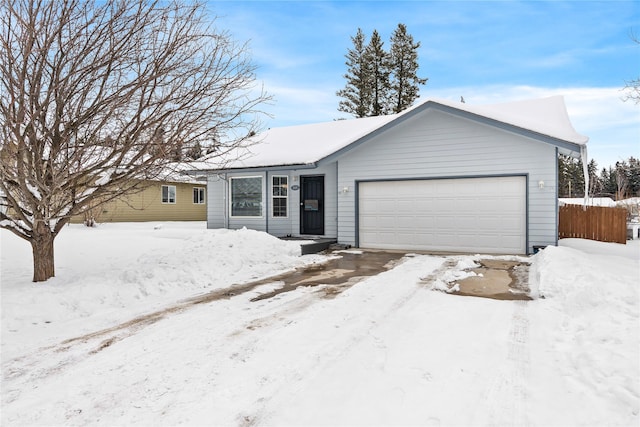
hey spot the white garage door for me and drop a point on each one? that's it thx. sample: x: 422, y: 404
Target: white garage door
x: 485, y: 215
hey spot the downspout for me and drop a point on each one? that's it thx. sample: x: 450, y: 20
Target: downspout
x: 585, y: 171
x: 266, y: 202
x: 337, y: 186
x: 227, y: 205
x: 556, y: 198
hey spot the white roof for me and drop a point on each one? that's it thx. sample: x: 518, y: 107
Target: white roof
x: 307, y: 144
x: 175, y: 172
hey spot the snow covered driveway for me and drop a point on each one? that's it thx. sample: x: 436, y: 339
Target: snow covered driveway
x: 388, y: 350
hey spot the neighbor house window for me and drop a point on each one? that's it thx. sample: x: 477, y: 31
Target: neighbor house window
x: 279, y: 185
x: 246, y: 196
x: 198, y: 195
x: 168, y: 194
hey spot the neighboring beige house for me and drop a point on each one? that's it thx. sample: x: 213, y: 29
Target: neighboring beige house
x: 166, y: 200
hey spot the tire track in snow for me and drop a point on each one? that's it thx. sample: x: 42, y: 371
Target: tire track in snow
x: 361, y: 328
x: 239, y: 346
x: 505, y: 401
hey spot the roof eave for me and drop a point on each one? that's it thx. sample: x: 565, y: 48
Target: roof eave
x: 212, y: 171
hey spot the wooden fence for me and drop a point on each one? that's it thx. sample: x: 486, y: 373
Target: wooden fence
x: 594, y: 223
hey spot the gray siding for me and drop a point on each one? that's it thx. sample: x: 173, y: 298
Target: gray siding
x: 216, y: 200
x: 218, y: 204
x: 438, y: 144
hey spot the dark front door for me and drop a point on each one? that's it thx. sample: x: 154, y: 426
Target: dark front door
x: 312, y: 205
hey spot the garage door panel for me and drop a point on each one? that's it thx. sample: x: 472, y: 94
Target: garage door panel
x: 507, y: 223
x: 461, y: 215
x: 485, y: 222
x: 423, y: 222
x: 443, y: 204
x: 424, y: 206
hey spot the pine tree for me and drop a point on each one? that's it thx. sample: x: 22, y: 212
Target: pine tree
x: 404, y: 68
x: 608, y: 178
x: 595, y: 184
x: 194, y: 152
x: 570, y: 177
x: 378, y: 62
x: 381, y: 82
x: 356, y: 96
x: 634, y: 177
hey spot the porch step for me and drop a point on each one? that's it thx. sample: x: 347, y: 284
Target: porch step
x: 312, y: 245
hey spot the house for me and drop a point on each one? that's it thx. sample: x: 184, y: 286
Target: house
x: 173, y: 197
x: 441, y: 176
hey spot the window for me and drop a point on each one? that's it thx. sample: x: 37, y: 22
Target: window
x: 198, y: 195
x: 168, y: 194
x: 279, y: 186
x: 246, y: 196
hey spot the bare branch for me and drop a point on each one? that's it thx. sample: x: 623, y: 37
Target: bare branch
x: 97, y: 96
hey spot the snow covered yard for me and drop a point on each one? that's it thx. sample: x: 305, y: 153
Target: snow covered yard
x: 388, y: 350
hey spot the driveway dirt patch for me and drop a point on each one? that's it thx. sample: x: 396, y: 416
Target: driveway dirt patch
x: 497, y: 279
x: 337, y: 274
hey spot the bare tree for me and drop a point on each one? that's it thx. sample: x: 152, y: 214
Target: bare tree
x: 622, y: 180
x: 98, y: 96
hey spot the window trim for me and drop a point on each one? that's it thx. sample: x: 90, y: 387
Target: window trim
x: 286, y: 198
x: 231, y: 215
x: 175, y: 194
x: 204, y: 195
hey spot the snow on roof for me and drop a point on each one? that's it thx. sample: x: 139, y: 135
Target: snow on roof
x: 547, y: 116
x: 304, y: 144
x: 307, y: 144
x: 175, y: 172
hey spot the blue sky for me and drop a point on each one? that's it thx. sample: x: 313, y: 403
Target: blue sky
x: 488, y: 52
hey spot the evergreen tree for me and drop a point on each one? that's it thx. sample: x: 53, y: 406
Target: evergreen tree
x: 622, y: 180
x: 378, y: 62
x: 608, y: 178
x: 404, y: 68
x: 634, y: 177
x: 380, y: 82
x: 356, y: 96
x: 194, y: 152
x: 595, y: 184
x: 570, y: 177
x: 563, y: 176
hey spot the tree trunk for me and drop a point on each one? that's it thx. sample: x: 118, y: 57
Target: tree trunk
x: 42, y: 246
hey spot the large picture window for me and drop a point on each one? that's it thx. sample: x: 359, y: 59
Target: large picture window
x: 279, y: 186
x: 168, y: 194
x: 246, y: 196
